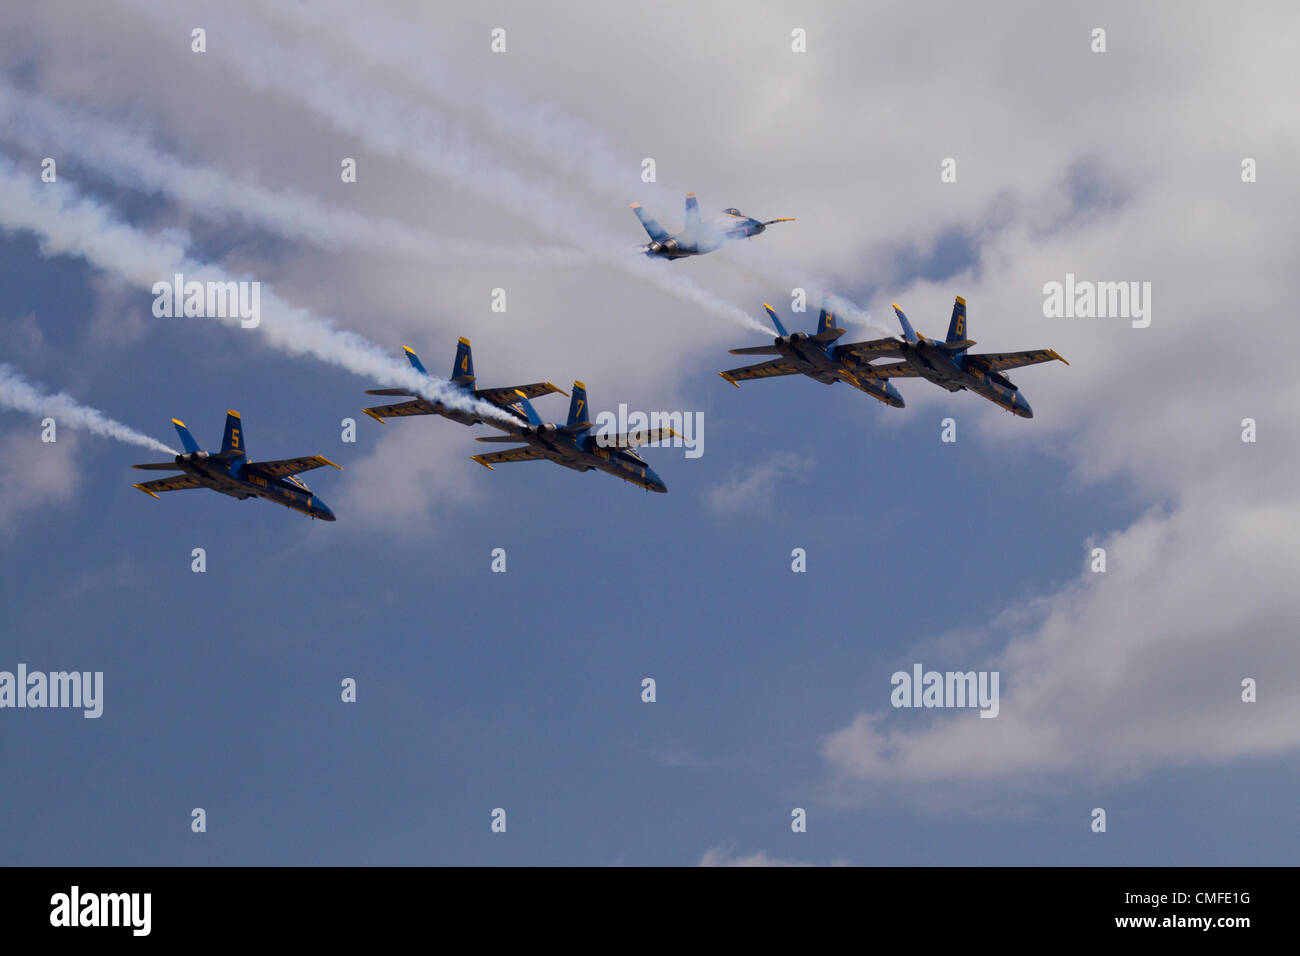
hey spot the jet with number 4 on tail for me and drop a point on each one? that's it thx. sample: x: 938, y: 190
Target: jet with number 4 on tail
x: 231, y: 472
x: 462, y: 380
x: 699, y: 236
x: 816, y: 356
x: 949, y: 364
x: 575, y: 445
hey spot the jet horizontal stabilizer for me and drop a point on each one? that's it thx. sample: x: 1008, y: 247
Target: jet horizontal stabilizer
x: 390, y: 391
x: 830, y: 335
x: 159, y: 466
x: 757, y: 350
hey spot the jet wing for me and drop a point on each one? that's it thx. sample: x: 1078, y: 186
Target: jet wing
x: 176, y: 483
x: 510, y: 394
x: 1000, y: 361
x: 896, y: 370
x: 290, y: 466
x: 645, y: 436
x: 523, y: 453
x: 763, y: 370
x: 877, y: 348
x: 401, y: 410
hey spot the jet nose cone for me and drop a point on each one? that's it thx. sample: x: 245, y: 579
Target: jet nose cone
x: 324, y: 513
x: 1022, y: 407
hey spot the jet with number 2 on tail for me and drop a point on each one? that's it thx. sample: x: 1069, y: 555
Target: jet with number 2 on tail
x: 462, y: 380
x: 231, y: 472
x: 698, y: 237
x: 573, y: 445
x: 949, y: 364
x: 816, y: 356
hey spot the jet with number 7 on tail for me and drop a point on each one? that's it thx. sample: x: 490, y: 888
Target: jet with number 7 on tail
x: 462, y: 381
x: 698, y: 237
x: 574, y: 445
x: 816, y: 356
x: 231, y: 472
x: 949, y: 364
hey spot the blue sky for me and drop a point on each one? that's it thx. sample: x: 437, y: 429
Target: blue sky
x: 522, y: 690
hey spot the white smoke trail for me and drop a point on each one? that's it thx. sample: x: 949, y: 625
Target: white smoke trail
x: 548, y: 133
x: 405, y: 129
x: 67, y: 223
x: 132, y: 160
x: 22, y: 396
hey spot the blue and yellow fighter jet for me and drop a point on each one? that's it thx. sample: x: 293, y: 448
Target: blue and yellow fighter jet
x: 949, y: 364
x: 462, y: 378
x: 231, y: 472
x: 573, y: 445
x: 816, y: 356
x: 698, y: 237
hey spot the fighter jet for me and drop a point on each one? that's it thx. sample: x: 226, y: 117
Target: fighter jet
x: 573, y: 445
x: 816, y: 356
x: 949, y: 364
x: 698, y: 237
x: 462, y: 378
x: 231, y: 472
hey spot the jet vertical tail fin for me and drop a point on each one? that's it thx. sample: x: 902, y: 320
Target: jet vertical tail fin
x: 771, y: 314
x: 652, y: 228
x: 692, y: 212
x: 525, y: 408
x: 187, y: 440
x: 233, y: 439
x: 909, y: 333
x: 957, y: 325
x: 414, y: 360
x: 578, y: 412
x: 826, y: 329
x: 462, y: 373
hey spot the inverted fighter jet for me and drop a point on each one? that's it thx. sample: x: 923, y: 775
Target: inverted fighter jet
x: 698, y: 237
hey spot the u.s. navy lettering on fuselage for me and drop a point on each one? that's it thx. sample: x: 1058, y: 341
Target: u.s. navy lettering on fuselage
x: 23, y: 688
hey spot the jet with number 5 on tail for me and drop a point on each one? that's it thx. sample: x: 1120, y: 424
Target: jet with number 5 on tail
x: 816, y: 356
x: 574, y: 445
x: 698, y: 237
x: 462, y: 380
x: 231, y: 472
x: 949, y: 364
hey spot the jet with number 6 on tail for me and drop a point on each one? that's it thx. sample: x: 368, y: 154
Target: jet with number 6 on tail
x: 698, y: 237
x: 816, y: 356
x: 949, y: 364
x: 231, y: 472
x: 462, y: 381
x: 574, y: 445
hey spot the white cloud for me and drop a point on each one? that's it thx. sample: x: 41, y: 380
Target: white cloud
x: 46, y: 475
x: 754, y: 489
x: 726, y: 856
